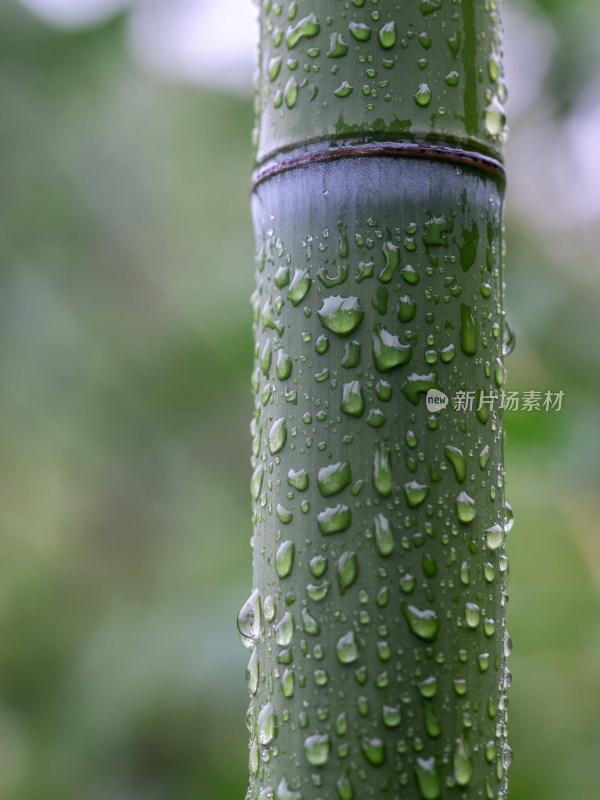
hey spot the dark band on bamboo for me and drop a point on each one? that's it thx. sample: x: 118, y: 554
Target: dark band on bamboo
x: 381, y: 149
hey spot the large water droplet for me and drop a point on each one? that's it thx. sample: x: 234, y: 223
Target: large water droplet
x: 333, y: 478
x: 267, y: 724
x: 342, y: 315
x: 298, y: 478
x: 388, y: 351
x: 468, y: 330
x: 387, y: 35
x: 373, y: 750
x: 346, y: 648
x: 353, y: 402
x: 347, y: 570
x: 423, y: 623
x: 252, y: 672
x: 248, y: 620
x: 415, y: 493
x: 428, y: 778
x: 316, y: 749
x: 299, y: 286
x: 308, y: 26
x: 334, y: 520
x: 284, y: 630
x: 284, y: 558
x: 465, y: 508
x: 463, y: 764
x: 493, y: 537
x: 384, y: 536
x: 277, y: 436
x: 456, y: 458
x: 382, y: 470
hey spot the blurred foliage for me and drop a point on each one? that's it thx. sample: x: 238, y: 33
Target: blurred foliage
x: 125, y: 352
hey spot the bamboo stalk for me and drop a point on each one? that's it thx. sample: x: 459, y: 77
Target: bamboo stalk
x: 376, y: 624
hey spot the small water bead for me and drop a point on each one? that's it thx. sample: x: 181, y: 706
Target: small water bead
x: 248, y: 620
x: 284, y: 559
x: 256, y: 482
x: 495, y: 117
x: 360, y: 31
x: 284, y: 630
x: 267, y: 724
x: 428, y: 778
x: 387, y: 35
x: 309, y: 623
x: 347, y: 570
x: 353, y: 402
x: 335, y: 519
x: 346, y: 648
x: 472, y: 614
x: 388, y: 352
x: 298, y: 288
x: 269, y: 608
x: 318, y: 591
x: 252, y: 672
x: 284, y: 366
x: 344, y: 89
x: 342, y: 315
x: 423, y: 95
x: 321, y: 677
x: 316, y: 749
x: 382, y: 470
x: 277, y: 436
x: 287, y: 683
x: 333, y: 478
x: 318, y: 566
x: 373, y: 750
x: 463, y: 764
x: 494, y: 537
x: 415, y: 493
x: 428, y: 687
x: 466, y: 509
x: 423, y: 623
x: 322, y: 345
x: 298, y: 478
x: 384, y: 536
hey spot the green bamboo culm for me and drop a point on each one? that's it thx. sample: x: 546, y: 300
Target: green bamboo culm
x: 376, y: 624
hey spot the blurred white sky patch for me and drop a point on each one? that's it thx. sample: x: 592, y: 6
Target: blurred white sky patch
x: 75, y: 13
x: 193, y: 40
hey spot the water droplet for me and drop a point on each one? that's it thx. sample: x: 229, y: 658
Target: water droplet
x: 322, y: 345
x: 465, y: 508
x: 252, y: 672
x: 384, y: 536
x: 316, y: 749
x: 308, y: 26
x: 391, y: 716
x: 456, y: 458
x: 284, y: 630
x: 423, y: 95
x: 318, y: 591
x: 472, y: 614
x: 493, y: 537
x: 344, y: 89
x: 360, y: 31
x: 248, y: 620
x: 415, y: 493
x: 285, y: 793
x: 428, y: 687
x: 463, y: 764
x: 342, y: 315
x: 291, y: 95
x: 423, y: 623
x: 277, y: 436
x: 267, y: 724
x: 495, y: 117
x: 429, y: 565
x: 284, y: 559
x: 406, y: 308
x: 373, y: 750
x: 353, y: 402
x: 298, y: 478
x: 256, y: 482
x: 347, y: 570
x: 283, y: 514
x: 309, y: 623
x: 416, y: 384
x: 299, y: 286
x: 388, y: 352
x: 382, y: 470
x: 428, y: 778
x: 344, y: 786
x: 269, y: 608
x: 346, y: 648
x: 334, y: 520
x: 333, y: 478
x: 287, y: 683
x: 351, y: 357
x: 337, y: 46
x: 468, y: 330
x: 387, y: 35
x: 284, y: 366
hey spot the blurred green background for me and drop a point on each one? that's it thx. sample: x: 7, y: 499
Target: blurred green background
x: 126, y: 264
